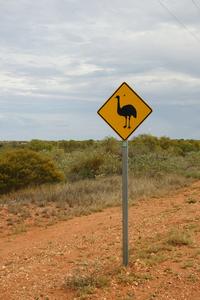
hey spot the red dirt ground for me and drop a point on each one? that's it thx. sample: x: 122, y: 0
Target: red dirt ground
x: 37, y: 264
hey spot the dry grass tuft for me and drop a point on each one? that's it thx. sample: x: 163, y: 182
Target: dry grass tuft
x: 179, y: 238
x: 86, y: 284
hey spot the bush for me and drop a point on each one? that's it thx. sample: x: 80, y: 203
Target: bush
x: 21, y: 168
x: 112, y: 165
x: 156, y: 164
x: 38, y: 145
x: 111, y: 145
x: 91, y: 164
x: 85, y: 165
x: 71, y: 145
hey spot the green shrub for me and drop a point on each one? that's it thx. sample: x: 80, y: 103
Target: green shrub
x: 71, y: 145
x: 21, y: 168
x: 111, y: 145
x: 155, y: 164
x: 39, y: 145
x: 85, y: 165
x: 90, y: 164
x: 112, y: 165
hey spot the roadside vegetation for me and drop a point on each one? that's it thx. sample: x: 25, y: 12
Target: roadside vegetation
x: 53, y: 180
x: 76, y: 160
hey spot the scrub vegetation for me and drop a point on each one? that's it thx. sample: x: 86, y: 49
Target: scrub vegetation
x: 62, y: 179
x: 148, y: 156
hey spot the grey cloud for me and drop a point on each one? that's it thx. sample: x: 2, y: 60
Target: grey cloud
x: 63, y: 55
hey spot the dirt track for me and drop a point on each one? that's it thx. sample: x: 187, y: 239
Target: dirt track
x: 35, y: 264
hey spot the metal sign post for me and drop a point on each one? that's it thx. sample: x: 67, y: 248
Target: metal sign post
x: 124, y: 112
x: 125, y: 201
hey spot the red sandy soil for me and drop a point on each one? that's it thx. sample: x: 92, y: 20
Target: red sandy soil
x: 37, y: 263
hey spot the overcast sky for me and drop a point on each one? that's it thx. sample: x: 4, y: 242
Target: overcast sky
x: 60, y: 60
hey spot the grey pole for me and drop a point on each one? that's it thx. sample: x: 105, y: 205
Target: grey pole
x: 125, y: 201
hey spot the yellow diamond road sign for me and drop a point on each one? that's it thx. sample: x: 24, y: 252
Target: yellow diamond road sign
x: 124, y: 111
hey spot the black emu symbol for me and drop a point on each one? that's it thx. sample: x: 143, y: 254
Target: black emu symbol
x: 126, y: 111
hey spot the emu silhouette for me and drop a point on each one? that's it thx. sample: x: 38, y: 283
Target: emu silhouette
x: 126, y: 111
